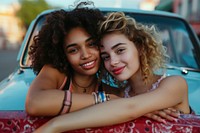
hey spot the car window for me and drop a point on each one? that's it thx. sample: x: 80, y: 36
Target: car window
x: 174, y: 33
x: 184, y: 49
x: 179, y: 47
x: 39, y: 23
x: 175, y: 37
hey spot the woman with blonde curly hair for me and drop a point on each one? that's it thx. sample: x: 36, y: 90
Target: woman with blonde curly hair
x: 131, y: 52
x: 152, y: 54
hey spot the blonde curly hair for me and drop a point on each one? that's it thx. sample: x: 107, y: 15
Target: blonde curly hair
x: 152, y: 53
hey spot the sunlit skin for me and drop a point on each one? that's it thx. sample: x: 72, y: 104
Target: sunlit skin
x: 81, y: 52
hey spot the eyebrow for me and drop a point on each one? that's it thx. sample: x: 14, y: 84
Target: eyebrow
x: 74, y: 44
x: 118, y: 44
x: 113, y: 47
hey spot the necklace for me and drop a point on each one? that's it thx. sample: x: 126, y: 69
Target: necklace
x: 83, y: 87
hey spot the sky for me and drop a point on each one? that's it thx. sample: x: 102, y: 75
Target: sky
x: 7, y: 1
x: 98, y: 3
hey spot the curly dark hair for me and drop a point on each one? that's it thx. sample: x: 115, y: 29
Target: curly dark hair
x: 48, y: 45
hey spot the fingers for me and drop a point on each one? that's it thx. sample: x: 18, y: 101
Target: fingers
x: 158, y: 118
x: 163, y: 115
x: 171, y: 112
x: 167, y: 115
x: 155, y: 117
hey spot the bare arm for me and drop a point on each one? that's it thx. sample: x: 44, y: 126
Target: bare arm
x: 169, y: 94
x: 44, y: 99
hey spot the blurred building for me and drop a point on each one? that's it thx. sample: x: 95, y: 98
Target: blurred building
x: 11, y: 28
x: 148, y: 4
x: 188, y: 9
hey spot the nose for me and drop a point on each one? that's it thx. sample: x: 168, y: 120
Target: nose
x: 85, y: 53
x: 114, y: 61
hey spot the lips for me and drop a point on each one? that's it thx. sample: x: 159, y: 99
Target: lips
x: 118, y: 70
x: 88, y: 65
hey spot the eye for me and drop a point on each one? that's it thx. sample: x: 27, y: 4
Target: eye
x: 72, y: 50
x: 105, y: 57
x: 92, y: 44
x: 120, y: 50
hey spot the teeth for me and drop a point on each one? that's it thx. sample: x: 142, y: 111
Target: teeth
x: 87, y: 64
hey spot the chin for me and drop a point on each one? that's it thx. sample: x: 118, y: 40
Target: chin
x: 92, y: 72
x: 123, y: 77
x: 120, y: 78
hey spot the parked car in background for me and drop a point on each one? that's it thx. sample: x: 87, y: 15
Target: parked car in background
x: 182, y: 46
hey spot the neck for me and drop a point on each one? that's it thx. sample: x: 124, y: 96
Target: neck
x: 136, y: 81
x: 84, y: 85
x: 139, y: 87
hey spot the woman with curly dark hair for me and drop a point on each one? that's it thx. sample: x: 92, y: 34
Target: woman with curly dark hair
x: 65, y: 56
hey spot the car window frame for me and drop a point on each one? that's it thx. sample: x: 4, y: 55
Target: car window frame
x: 192, y: 38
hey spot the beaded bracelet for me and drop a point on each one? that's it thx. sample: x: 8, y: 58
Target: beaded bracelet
x: 66, y: 102
x: 100, y: 97
x: 107, y: 97
x: 95, y: 97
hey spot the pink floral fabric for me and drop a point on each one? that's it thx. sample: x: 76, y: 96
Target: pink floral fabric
x: 20, y: 122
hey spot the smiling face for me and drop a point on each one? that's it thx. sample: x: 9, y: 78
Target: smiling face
x: 81, y: 52
x: 120, y: 56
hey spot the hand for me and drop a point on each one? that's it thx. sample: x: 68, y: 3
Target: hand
x: 162, y: 115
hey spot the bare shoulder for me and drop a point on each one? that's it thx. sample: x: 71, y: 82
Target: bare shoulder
x: 48, y: 70
x: 177, y: 83
x: 50, y: 75
x: 175, y: 78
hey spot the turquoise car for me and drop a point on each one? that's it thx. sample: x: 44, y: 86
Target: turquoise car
x: 183, y: 47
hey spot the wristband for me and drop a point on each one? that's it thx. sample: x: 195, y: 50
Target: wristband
x: 66, y: 102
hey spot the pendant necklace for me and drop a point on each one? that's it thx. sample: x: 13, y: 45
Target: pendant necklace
x: 83, y: 87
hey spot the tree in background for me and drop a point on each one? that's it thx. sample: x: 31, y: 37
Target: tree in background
x: 30, y: 9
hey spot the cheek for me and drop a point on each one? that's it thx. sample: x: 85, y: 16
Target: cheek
x: 72, y: 59
x: 95, y: 51
x: 106, y: 65
x: 134, y: 61
x: 132, y: 56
